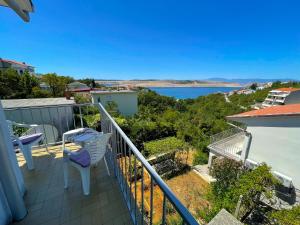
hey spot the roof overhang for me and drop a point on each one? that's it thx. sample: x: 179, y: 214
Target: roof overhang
x: 21, y: 7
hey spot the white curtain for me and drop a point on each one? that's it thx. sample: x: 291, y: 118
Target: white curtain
x: 5, y: 213
x: 12, y: 189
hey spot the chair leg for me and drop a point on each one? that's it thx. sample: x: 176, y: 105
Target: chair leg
x: 26, y: 150
x: 85, y: 179
x: 106, y: 166
x: 66, y: 173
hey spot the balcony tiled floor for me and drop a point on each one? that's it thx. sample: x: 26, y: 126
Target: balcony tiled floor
x: 49, y: 203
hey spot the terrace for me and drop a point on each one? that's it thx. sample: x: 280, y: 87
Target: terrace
x: 228, y: 143
x: 128, y: 196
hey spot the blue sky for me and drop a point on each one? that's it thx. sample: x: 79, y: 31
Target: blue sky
x: 190, y: 39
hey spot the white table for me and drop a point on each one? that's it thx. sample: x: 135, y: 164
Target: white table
x: 78, y: 136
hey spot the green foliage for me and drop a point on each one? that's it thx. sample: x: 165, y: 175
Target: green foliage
x: 253, y: 86
x: 81, y: 99
x: 13, y: 85
x: 248, y: 100
x: 248, y: 184
x: 226, y: 172
x: 200, y: 158
x: 286, y: 216
x: 252, y: 184
x: 37, y: 92
x: 92, y: 120
x: 57, y: 83
x: 164, y: 145
x: 90, y: 82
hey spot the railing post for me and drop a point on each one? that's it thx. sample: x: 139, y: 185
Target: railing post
x: 80, y: 115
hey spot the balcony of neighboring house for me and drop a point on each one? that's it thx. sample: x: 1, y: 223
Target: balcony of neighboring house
x: 130, y: 192
x: 229, y: 143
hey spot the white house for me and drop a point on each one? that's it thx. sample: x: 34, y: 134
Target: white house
x: 282, y: 96
x: 272, y: 136
x: 20, y: 67
x: 126, y: 100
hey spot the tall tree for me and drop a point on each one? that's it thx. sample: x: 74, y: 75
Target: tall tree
x: 57, y: 83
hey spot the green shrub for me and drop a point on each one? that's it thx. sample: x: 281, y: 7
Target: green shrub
x: 200, y: 158
x: 286, y: 216
x: 164, y: 145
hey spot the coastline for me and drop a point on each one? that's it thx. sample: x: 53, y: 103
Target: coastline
x: 167, y: 83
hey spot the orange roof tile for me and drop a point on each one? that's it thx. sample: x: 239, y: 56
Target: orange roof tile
x: 290, y: 89
x: 12, y: 61
x: 281, y: 110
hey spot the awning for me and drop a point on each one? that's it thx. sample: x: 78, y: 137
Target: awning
x: 21, y: 7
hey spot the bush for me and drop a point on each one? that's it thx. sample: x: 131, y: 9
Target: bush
x: 200, y: 158
x: 164, y: 145
x: 286, y: 216
x: 226, y: 171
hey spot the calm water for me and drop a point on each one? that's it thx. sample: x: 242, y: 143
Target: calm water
x: 190, y: 92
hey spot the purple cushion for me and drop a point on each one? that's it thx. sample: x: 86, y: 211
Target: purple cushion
x: 28, y: 139
x: 81, y: 157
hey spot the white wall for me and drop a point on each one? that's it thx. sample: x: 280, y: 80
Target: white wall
x: 278, y: 146
x: 126, y: 101
x: 293, y: 98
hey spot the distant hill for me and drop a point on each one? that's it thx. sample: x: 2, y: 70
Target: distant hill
x: 250, y: 80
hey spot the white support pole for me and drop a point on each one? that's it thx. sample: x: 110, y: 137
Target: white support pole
x: 211, y: 155
x: 246, y: 147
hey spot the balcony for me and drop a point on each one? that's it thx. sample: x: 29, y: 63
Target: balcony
x: 128, y: 196
x: 228, y: 143
x: 49, y: 203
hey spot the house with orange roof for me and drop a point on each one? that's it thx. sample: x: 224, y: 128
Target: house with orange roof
x: 20, y: 67
x: 282, y: 96
x: 272, y: 136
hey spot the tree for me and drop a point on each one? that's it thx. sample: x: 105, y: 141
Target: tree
x: 248, y: 184
x: 28, y: 82
x: 226, y: 171
x: 253, y: 86
x: 57, y: 83
x: 164, y: 145
x: 251, y: 185
x: 14, y: 85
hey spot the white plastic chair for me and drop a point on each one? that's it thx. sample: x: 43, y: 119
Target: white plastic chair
x: 93, y: 151
x: 26, y: 141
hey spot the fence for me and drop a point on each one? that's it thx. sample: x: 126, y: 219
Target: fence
x: 226, y: 134
x: 133, y: 172
x: 54, y: 120
x: 138, y: 181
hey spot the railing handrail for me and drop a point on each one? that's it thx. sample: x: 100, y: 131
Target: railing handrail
x: 181, y: 209
x: 226, y: 134
x: 50, y: 106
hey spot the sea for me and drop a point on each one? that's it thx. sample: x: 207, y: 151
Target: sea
x: 191, y: 92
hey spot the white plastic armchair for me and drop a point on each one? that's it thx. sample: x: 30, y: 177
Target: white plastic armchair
x: 25, y: 142
x: 93, y: 151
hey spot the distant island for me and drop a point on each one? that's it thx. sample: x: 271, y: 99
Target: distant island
x: 168, y: 83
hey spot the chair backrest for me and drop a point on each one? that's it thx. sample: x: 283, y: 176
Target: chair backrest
x: 97, y: 146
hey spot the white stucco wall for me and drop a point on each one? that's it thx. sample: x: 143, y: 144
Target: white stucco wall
x: 276, y: 141
x: 293, y: 98
x: 126, y: 101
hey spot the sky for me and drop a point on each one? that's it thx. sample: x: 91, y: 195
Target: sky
x: 157, y: 39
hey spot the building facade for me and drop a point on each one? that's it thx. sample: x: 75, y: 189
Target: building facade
x: 272, y: 137
x: 282, y: 96
x: 126, y: 101
x: 20, y: 67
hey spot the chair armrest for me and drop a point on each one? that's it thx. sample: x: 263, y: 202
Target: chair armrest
x: 20, y: 124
